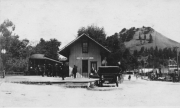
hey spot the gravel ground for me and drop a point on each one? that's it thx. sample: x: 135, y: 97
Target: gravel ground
x: 133, y: 93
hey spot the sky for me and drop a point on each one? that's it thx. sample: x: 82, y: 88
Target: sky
x: 61, y: 19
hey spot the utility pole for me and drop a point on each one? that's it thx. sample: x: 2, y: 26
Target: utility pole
x: 177, y: 56
x: 177, y: 61
x: 3, y: 52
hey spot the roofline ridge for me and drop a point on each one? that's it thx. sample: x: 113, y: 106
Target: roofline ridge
x: 80, y: 37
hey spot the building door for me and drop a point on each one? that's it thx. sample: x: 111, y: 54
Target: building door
x: 94, y: 64
x: 85, y: 68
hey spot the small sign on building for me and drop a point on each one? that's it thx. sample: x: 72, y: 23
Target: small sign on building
x: 84, y: 58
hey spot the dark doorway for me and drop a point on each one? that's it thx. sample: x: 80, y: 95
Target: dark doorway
x: 85, y: 66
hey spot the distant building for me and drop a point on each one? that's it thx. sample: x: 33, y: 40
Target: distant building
x: 85, y: 53
x: 172, y: 65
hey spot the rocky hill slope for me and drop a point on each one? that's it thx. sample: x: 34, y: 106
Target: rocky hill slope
x: 146, y: 37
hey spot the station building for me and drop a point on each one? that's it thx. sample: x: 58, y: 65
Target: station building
x: 85, y: 53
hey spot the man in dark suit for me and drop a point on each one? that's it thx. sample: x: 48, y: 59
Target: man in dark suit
x: 74, y: 71
x: 63, y: 71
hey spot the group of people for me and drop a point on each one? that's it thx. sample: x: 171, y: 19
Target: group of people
x: 53, y: 70
x: 50, y: 70
x: 93, y: 73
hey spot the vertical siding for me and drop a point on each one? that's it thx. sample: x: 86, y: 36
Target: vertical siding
x: 94, y: 50
x: 76, y: 51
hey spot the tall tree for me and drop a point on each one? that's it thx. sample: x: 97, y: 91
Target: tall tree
x: 94, y: 32
x: 142, y: 50
x: 140, y: 39
x: 15, y: 58
x: 130, y: 34
x: 144, y: 38
x: 40, y: 48
x: 135, y: 53
x: 115, y: 44
x: 6, y: 28
x: 150, y: 38
x: 50, y: 48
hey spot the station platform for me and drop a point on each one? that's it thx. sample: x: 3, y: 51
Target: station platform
x: 68, y: 81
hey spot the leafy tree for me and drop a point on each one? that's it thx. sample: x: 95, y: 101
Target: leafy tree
x: 130, y: 34
x: 40, y: 48
x: 123, y: 37
x: 123, y: 30
x: 52, y: 48
x: 142, y: 50
x: 156, y: 51
x: 115, y: 44
x: 49, y: 48
x: 16, y: 52
x: 127, y: 34
x: 17, y: 65
x: 130, y: 61
x: 6, y: 28
x: 94, y: 32
x: 160, y: 53
x: 135, y: 53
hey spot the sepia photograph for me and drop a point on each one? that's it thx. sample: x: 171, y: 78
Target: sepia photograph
x: 90, y: 53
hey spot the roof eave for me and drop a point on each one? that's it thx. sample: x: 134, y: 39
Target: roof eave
x: 68, y: 45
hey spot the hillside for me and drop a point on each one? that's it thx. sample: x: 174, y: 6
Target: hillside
x: 140, y: 37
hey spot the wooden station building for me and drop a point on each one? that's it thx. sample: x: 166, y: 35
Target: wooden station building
x: 85, y: 53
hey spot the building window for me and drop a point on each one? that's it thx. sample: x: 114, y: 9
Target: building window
x: 84, y: 47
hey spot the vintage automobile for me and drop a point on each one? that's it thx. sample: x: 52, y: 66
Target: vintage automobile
x: 109, y: 74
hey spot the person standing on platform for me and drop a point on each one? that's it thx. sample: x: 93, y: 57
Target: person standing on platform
x: 63, y: 71
x: 120, y: 72
x: 74, y: 71
x: 60, y: 70
x: 4, y: 73
x: 104, y: 62
x: 43, y: 70
x: 129, y: 77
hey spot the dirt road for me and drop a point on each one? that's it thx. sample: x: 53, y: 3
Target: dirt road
x: 133, y: 93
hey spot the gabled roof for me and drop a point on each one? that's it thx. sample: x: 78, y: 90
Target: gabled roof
x: 76, y: 39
